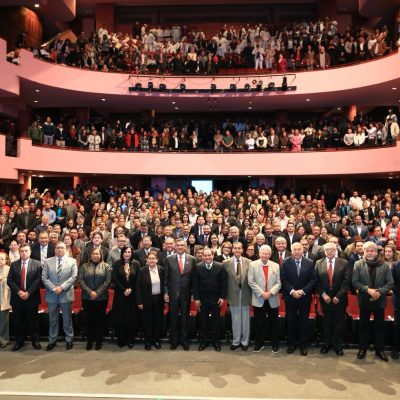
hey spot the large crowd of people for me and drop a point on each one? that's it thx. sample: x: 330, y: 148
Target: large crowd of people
x: 225, y: 136
x: 179, y: 247
x: 182, y: 50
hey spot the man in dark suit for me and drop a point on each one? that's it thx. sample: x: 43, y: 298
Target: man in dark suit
x: 339, y: 253
x: 333, y: 280
x: 96, y: 242
x: 42, y: 250
x: 319, y: 241
x: 373, y: 280
x: 25, y: 220
x: 269, y: 236
x: 306, y: 250
x: 141, y: 254
x: 298, y: 281
x: 396, y: 306
x: 235, y: 236
x: 140, y: 234
x: 198, y: 228
x: 169, y: 250
x: 358, y: 228
x: 24, y: 281
x: 205, y: 239
x: 381, y: 220
x: 281, y: 252
x: 290, y: 235
x: 5, y: 233
x: 178, y: 290
x: 311, y: 222
x: 209, y: 290
x: 334, y: 227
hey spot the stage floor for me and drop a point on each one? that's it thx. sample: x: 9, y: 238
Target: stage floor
x: 164, y: 374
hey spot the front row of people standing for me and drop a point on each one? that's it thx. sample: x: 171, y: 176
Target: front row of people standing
x: 237, y: 280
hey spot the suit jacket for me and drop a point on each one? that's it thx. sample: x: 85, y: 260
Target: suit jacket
x: 33, y: 281
x: 36, y: 251
x: 296, y: 238
x: 334, y: 231
x: 210, y: 285
x: 195, y: 229
x: 233, y: 284
x: 354, y: 231
x: 113, y: 256
x: 340, y: 281
x: 6, y: 234
x: 308, y: 228
x: 137, y: 237
x: 162, y: 258
x: 21, y: 225
x: 87, y: 249
x: 259, y: 286
x: 143, y: 285
x: 291, y: 281
x: 202, y: 242
x: 275, y: 255
x: 321, y: 254
x: 140, y: 255
x: 67, y: 278
x: 176, y: 284
x: 383, y: 281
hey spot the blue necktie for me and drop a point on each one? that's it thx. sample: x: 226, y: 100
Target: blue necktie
x: 298, y: 266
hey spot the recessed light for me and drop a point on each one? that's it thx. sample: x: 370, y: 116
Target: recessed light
x: 176, y: 108
x: 37, y: 5
x: 250, y: 102
x: 41, y: 176
x: 37, y: 90
x: 103, y: 99
x: 394, y: 88
x: 174, y: 102
x: 35, y: 101
x: 34, y: 175
x: 250, y: 108
x: 339, y: 108
x: 308, y: 99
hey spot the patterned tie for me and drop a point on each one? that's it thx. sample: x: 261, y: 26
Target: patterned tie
x: 23, y: 272
x: 180, y: 265
x: 239, y: 272
x: 298, y: 266
x: 330, y: 273
x: 280, y: 259
x: 43, y: 254
x: 59, y: 268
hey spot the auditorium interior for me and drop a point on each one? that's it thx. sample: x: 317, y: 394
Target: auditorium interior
x: 292, y: 97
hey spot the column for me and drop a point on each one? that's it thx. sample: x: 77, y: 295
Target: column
x: 351, y: 112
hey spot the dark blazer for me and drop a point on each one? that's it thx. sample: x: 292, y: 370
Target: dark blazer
x: 33, y: 281
x: 88, y: 248
x: 143, y: 285
x: 321, y: 254
x: 354, y: 232
x: 137, y: 237
x: 36, y: 251
x: 210, y: 285
x: 396, y: 287
x: 308, y: 228
x: 334, y: 231
x: 162, y: 258
x: 176, y: 284
x: 6, y: 234
x: 275, y: 255
x: 21, y: 222
x: 340, y: 280
x: 290, y: 279
x: 311, y: 257
x: 202, y: 242
x: 195, y: 229
x: 296, y: 238
x: 140, y: 255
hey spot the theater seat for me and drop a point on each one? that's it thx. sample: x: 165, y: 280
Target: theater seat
x: 352, y: 319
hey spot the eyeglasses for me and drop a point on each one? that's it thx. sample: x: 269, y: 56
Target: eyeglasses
x: 330, y: 249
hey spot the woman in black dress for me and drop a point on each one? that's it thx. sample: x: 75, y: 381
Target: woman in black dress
x: 124, y: 315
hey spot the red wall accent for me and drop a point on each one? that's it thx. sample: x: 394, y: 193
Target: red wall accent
x: 105, y: 14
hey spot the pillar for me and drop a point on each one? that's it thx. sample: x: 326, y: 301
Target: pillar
x: 351, y: 112
x: 149, y: 116
x: 77, y: 181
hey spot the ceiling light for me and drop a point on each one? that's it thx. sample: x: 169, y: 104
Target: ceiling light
x: 250, y: 102
x: 308, y: 99
x: 250, y: 108
x: 394, y: 88
x: 339, y: 108
x: 41, y: 176
x: 176, y: 108
x: 174, y: 102
x: 35, y: 101
x: 37, y: 90
x: 37, y: 5
x: 103, y: 99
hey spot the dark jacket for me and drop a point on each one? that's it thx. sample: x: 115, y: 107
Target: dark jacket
x: 143, y: 286
x: 210, y: 285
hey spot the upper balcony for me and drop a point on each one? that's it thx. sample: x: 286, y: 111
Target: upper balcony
x: 42, y: 84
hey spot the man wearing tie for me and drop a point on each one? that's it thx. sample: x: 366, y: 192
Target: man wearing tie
x: 59, y: 275
x: 43, y: 250
x: 265, y: 283
x: 5, y: 233
x: 281, y: 252
x: 239, y: 297
x: 25, y: 220
x: 333, y: 281
x: 141, y: 254
x: 298, y: 281
x: 179, y: 270
x: 209, y: 290
x: 24, y: 281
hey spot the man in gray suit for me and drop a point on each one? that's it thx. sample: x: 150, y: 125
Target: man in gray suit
x: 59, y: 275
x: 239, y: 297
x: 115, y: 253
x: 265, y: 283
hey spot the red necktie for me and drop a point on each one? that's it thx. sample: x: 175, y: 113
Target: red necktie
x: 180, y: 265
x: 330, y: 273
x: 265, y: 268
x: 23, y: 272
x: 280, y: 259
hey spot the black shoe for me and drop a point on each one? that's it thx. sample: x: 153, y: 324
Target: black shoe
x: 234, y: 347
x: 36, y: 345
x: 217, y: 347
x: 361, y: 354
x: 147, y: 346
x: 89, y: 346
x: 339, y: 352
x: 382, y: 356
x: 303, y: 351
x: 157, y: 345
x: 275, y: 349
x: 202, y: 346
x: 186, y: 346
x: 69, y: 345
x: 395, y: 355
x: 244, y: 348
x: 51, y: 346
x: 130, y: 345
x: 324, y: 349
x: 291, y: 349
x: 98, y: 346
x: 17, y: 346
x: 173, y: 346
x: 257, y: 349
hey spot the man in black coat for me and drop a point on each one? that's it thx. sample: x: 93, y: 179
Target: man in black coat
x: 333, y: 281
x: 42, y: 250
x: 24, y: 281
x: 141, y: 254
x: 5, y: 233
x: 298, y: 281
x: 25, y: 220
x: 179, y: 271
x: 210, y: 288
